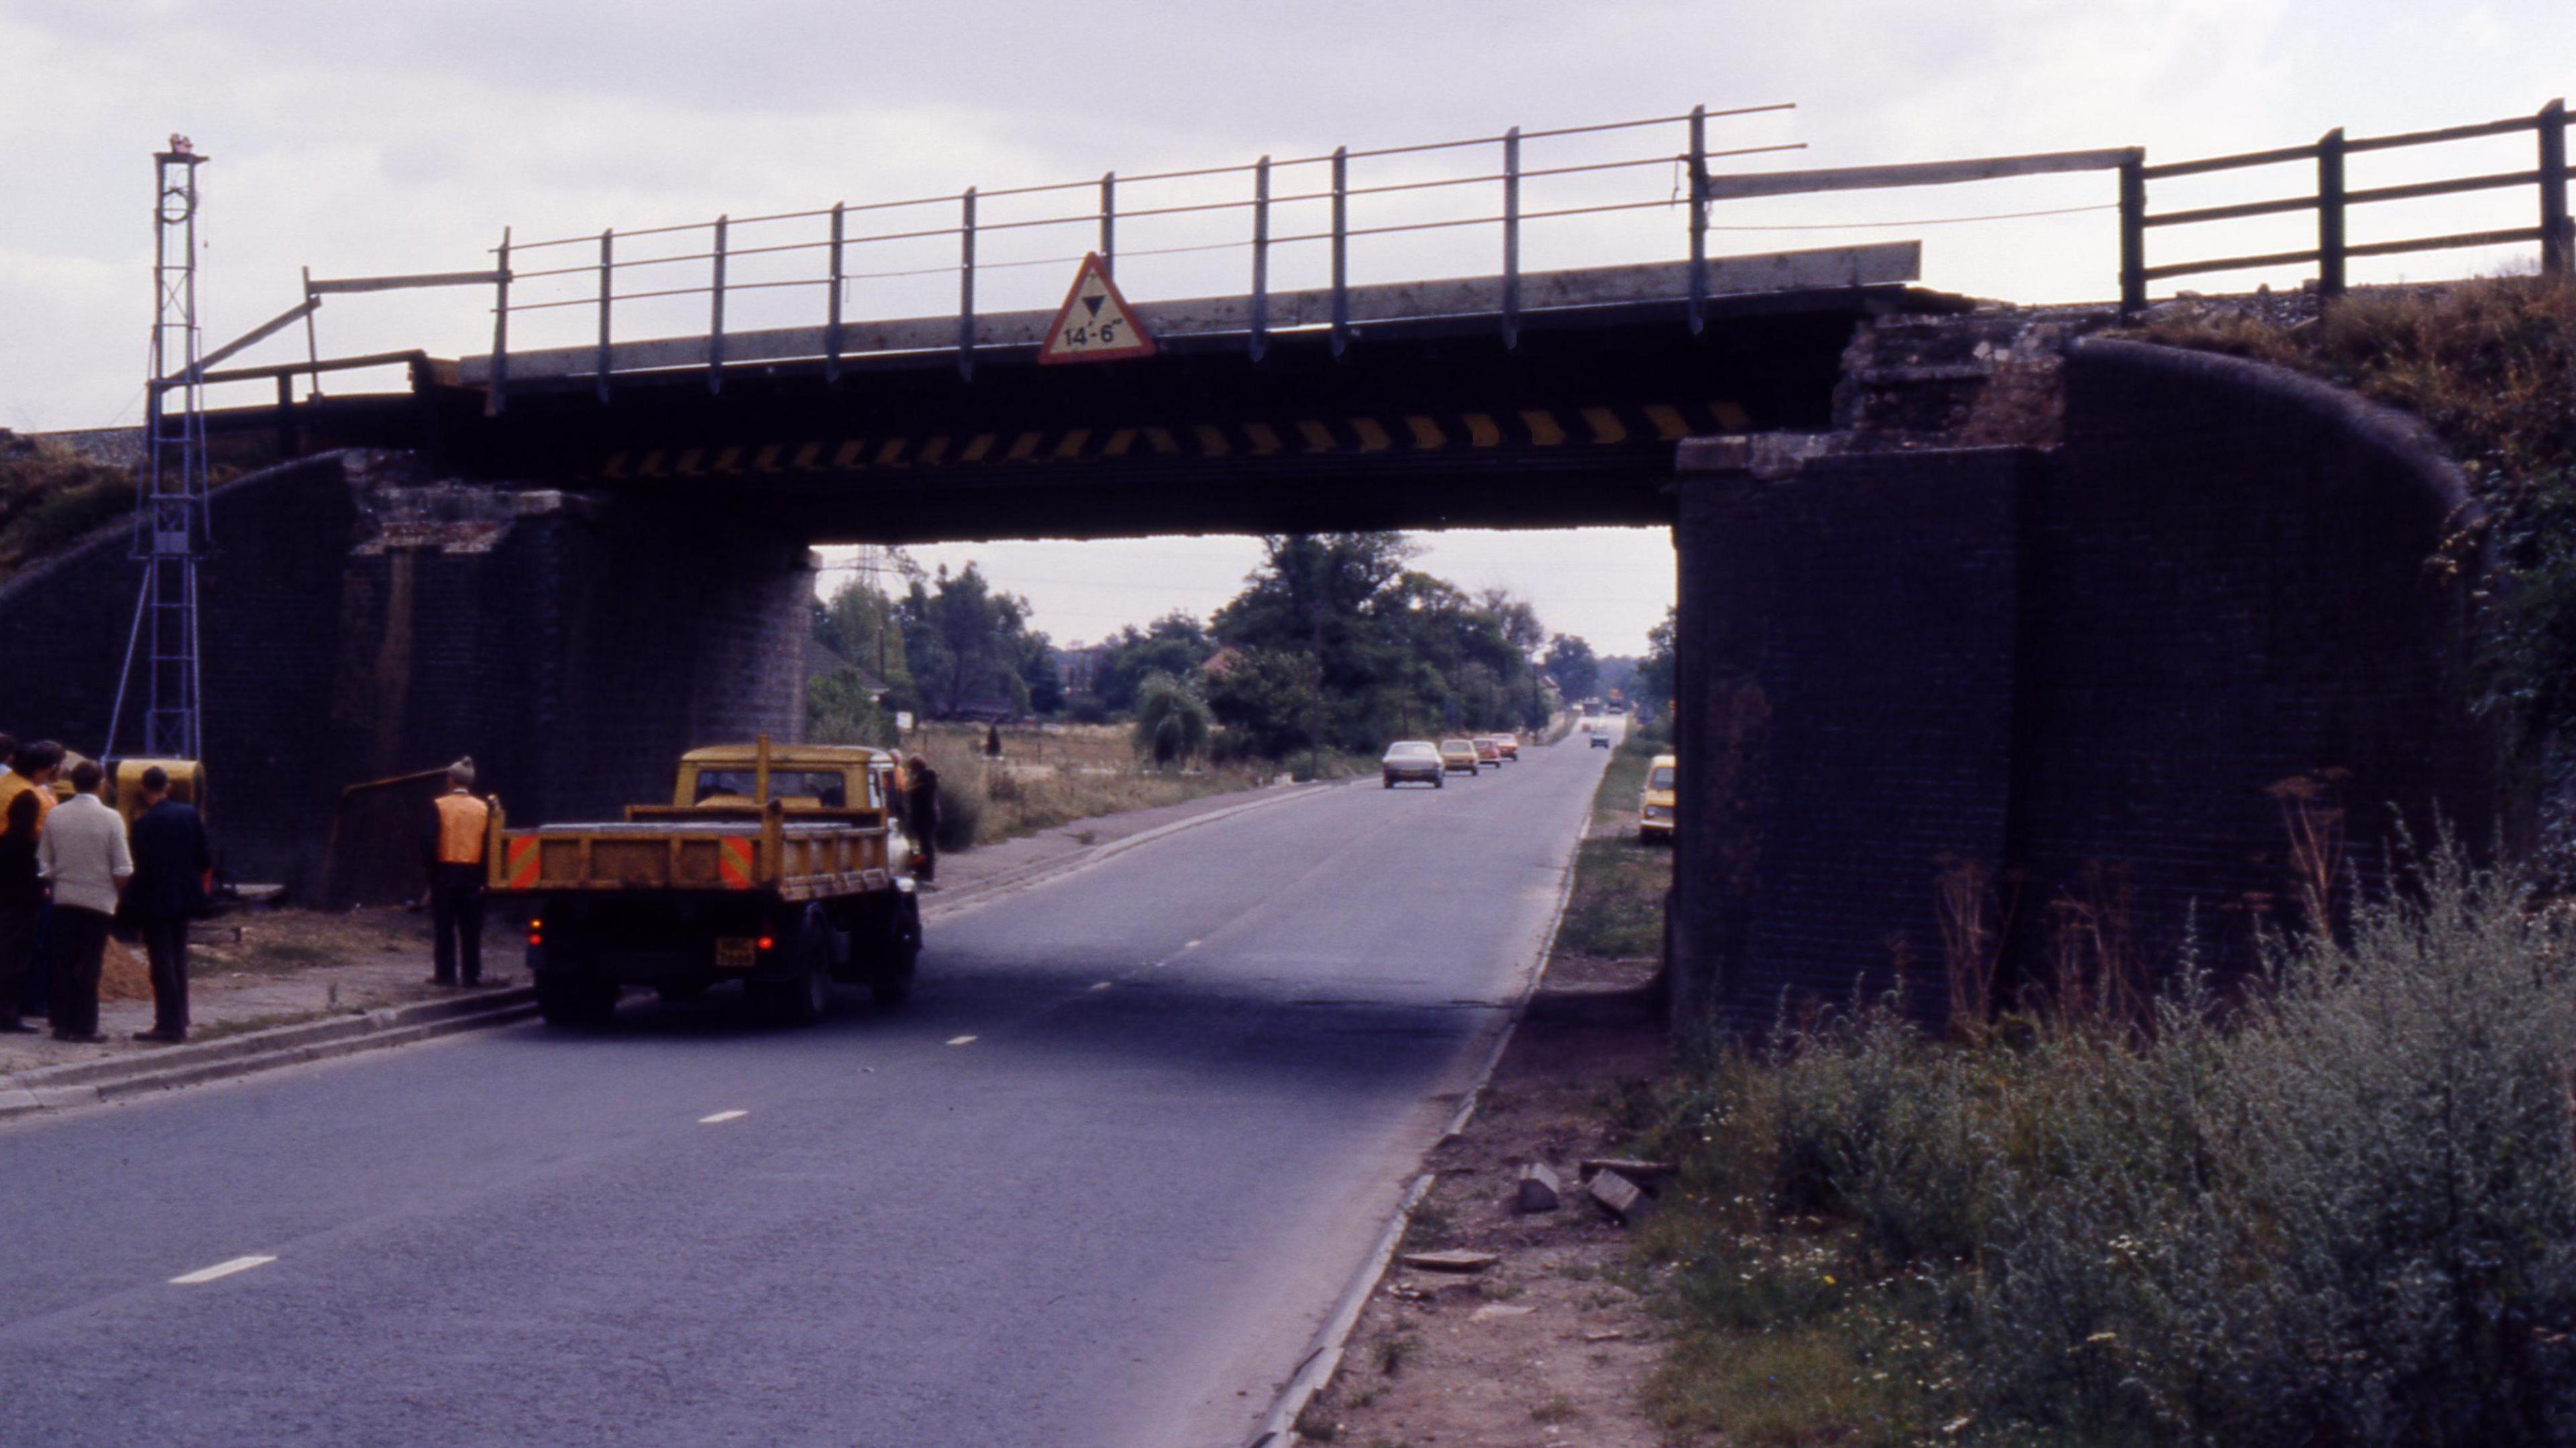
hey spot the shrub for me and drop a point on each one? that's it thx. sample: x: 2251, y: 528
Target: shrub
x: 2343, y: 1211
x: 1875, y: 1126
x: 961, y: 809
x: 1172, y: 721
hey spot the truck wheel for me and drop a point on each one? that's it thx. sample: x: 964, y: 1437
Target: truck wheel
x: 801, y: 997
x: 898, y: 949
x: 574, y: 1002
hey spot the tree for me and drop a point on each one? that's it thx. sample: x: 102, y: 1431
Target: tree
x: 1172, y: 721
x: 970, y: 646
x: 1654, y: 682
x: 1266, y: 696
x: 860, y: 624
x: 1338, y: 642
x: 1175, y: 644
x: 1618, y: 671
x: 1571, y: 666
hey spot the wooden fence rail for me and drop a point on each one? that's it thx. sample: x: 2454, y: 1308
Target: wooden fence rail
x: 2332, y: 201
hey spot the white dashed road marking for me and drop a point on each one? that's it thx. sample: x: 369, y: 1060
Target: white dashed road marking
x: 220, y: 1269
x: 721, y: 1117
x: 959, y: 1040
x: 1101, y: 985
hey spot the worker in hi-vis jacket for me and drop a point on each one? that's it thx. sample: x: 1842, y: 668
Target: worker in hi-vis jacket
x: 458, y: 829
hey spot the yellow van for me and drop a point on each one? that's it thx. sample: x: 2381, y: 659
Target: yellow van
x: 1655, y: 806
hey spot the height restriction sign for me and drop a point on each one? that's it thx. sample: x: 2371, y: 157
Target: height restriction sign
x: 1095, y: 323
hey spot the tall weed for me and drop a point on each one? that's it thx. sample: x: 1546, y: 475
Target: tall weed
x: 2339, y: 1210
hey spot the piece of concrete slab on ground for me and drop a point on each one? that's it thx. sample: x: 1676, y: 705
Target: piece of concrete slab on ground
x: 1453, y: 1260
x: 1644, y: 1173
x: 1539, y: 1189
x: 1620, y: 1197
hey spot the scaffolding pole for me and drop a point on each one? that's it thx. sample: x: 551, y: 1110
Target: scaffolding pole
x: 170, y: 519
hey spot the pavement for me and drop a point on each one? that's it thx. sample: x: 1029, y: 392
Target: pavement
x: 1099, y: 1184
x: 378, y: 959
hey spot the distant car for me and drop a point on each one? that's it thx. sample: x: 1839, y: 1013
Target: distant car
x: 1457, y: 756
x: 1486, y: 751
x: 1508, y: 745
x: 1655, y: 805
x: 1600, y: 739
x: 1414, y: 759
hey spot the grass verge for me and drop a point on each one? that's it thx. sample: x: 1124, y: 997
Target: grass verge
x: 1616, y: 909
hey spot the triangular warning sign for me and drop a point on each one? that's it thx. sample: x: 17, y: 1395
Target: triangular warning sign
x: 1095, y: 323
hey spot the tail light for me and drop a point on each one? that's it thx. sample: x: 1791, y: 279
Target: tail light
x: 768, y: 943
x: 536, y: 932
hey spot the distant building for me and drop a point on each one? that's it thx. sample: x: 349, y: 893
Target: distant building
x: 1079, y: 666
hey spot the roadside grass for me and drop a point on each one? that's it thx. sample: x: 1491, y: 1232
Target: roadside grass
x: 1052, y: 775
x: 1616, y: 911
x: 1616, y: 908
x: 1615, y: 802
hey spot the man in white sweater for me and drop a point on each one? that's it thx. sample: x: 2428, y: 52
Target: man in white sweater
x: 82, y: 855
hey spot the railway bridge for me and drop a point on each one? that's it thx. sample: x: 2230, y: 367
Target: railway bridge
x: 2002, y: 644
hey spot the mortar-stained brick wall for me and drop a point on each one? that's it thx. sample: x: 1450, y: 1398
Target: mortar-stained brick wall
x: 573, y: 650
x: 2229, y: 581
x: 269, y: 649
x: 2083, y: 670
x: 1854, y: 733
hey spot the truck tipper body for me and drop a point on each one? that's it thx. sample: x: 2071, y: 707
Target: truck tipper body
x: 787, y: 869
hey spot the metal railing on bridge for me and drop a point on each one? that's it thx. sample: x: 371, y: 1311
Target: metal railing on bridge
x: 1275, y: 187
x: 828, y: 249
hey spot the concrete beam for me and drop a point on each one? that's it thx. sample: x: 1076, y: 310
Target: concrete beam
x: 1880, y: 264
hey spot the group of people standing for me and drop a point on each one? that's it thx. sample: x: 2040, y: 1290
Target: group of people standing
x: 70, y: 870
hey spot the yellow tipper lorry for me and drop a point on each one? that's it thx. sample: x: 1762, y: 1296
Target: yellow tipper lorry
x: 786, y: 869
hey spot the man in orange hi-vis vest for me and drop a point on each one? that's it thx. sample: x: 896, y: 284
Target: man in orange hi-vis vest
x: 453, y: 851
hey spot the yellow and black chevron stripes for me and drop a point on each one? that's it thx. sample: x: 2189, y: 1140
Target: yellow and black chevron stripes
x: 1652, y: 424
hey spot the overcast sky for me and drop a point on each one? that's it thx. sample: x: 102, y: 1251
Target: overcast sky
x: 362, y: 138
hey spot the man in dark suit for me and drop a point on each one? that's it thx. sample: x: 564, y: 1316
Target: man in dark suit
x: 171, y: 859
x: 22, y: 905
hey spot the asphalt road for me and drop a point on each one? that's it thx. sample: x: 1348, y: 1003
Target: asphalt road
x: 1097, y: 1185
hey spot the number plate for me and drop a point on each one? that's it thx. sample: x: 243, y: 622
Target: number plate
x: 741, y: 953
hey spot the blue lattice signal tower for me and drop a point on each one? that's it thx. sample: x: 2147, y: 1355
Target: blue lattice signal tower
x: 170, y: 522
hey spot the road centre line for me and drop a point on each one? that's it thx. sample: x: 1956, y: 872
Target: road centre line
x: 959, y: 1040
x: 721, y: 1117
x: 1100, y: 985
x: 220, y: 1269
